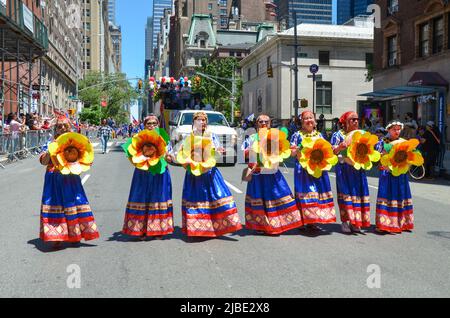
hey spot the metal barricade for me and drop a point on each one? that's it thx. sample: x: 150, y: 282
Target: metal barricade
x: 19, y: 145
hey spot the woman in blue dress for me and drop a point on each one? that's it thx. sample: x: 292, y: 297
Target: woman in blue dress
x: 352, y: 186
x: 66, y: 215
x: 394, y: 202
x: 149, y: 211
x: 270, y: 207
x: 313, y: 195
x: 208, y: 208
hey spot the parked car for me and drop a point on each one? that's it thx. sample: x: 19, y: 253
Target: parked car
x: 181, y: 127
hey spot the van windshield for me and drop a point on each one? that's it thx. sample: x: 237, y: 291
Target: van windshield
x: 213, y: 119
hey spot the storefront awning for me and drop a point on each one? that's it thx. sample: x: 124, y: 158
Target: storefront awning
x: 427, y: 79
x: 400, y: 92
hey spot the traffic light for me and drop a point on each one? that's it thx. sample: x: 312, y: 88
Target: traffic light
x: 197, y: 80
x: 303, y: 103
x: 269, y: 71
x: 140, y: 84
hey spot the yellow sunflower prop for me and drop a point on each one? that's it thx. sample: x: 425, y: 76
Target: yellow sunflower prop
x: 317, y: 156
x: 267, y: 140
x: 197, y: 154
x: 362, y: 149
x: 71, y: 153
x: 402, y: 155
x: 147, y: 150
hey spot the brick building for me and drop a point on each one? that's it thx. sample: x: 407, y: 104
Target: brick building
x: 24, y: 39
x: 411, y: 61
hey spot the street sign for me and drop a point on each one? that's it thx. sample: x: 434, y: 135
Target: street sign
x: 37, y: 87
x: 316, y: 77
x: 314, y: 68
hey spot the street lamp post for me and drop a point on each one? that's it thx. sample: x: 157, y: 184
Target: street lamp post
x: 296, y: 45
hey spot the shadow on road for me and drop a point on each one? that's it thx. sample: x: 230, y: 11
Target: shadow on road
x: 47, y: 247
x: 440, y: 234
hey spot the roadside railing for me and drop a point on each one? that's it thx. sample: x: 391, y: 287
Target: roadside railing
x: 15, y: 146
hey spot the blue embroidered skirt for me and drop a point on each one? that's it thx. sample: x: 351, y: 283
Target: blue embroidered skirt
x: 208, y: 208
x: 65, y: 212
x: 149, y: 211
x: 314, y: 197
x: 270, y: 206
x: 394, y: 203
x: 353, y: 195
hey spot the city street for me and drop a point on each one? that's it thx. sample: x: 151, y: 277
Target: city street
x: 244, y: 264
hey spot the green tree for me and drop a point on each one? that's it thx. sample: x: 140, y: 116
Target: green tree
x: 114, y: 88
x: 215, y: 94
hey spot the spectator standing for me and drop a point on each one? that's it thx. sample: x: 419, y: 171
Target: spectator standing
x: 431, y: 141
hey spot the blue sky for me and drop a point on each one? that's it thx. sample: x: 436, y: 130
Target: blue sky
x: 132, y: 15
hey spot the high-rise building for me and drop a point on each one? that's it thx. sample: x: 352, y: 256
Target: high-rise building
x: 97, y: 42
x: 347, y: 9
x: 112, y: 11
x: 308, y: 11
x: 148, y: 45
x: 158, y: 14
x: 116, y: 39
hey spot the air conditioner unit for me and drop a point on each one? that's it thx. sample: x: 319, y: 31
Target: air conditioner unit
x: 393, y: 9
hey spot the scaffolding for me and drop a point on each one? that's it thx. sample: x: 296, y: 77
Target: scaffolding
x: 24, y: 40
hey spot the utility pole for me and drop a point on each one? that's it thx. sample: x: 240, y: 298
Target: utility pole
x: 296, y: 45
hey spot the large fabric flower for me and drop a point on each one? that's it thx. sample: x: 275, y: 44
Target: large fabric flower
x: 71, y: 153
x: 147, y: 149
x: 197, y: 154
x: 316, y: 156
x: 362, y: 149
x: 402, y: 155
x: 272, y: 147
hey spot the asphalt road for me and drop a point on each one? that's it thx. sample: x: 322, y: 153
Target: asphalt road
x: 244, y: 264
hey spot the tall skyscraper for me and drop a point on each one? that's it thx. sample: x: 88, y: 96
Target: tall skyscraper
x: 308, y: 11
x: 112, y: 11
x: 148, y: 44
x: 348, y: 9
x: 158, y: 13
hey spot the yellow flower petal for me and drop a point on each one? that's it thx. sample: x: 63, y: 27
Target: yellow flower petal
x: 75, y: 168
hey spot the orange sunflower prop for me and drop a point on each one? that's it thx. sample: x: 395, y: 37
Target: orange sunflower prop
x: 71, y: 153
x: 147, y: 148
x: 197, y: 154
x: 317, y: 156
x: 362, y: 150
x: 401, y: 156
x: 272, y: 147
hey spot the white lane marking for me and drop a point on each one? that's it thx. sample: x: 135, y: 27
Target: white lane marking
x: 370, y: 186
x: 85, y: 178
x: 233, y: 187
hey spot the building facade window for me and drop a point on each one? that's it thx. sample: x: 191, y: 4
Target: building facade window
x: 424, y: 43
x: 392, y: 50
x: 392, y: 7
x: 369, y: 59
x: 438, y: 35
x: 249, y: 74
x: 257, y: 69
x: 324, y: 97
x: 324, y: 57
